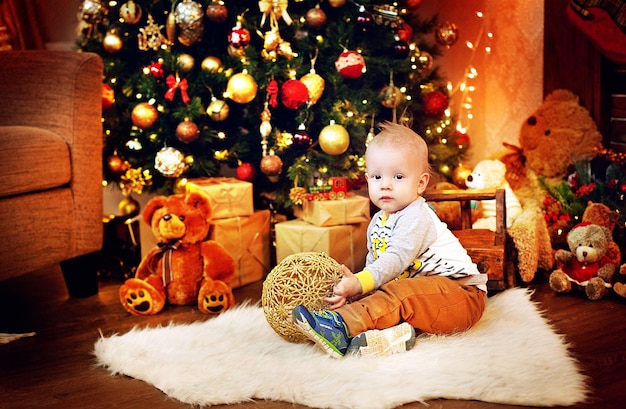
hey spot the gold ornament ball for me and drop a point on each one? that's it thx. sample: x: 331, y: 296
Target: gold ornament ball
x: 391, y: 96
x: 144, y: 115
x: 334, y: 139
x: 128, y: 207
x: 187, y: 131
x: 185, y: 62
x: 271, y: 165
x: 212, y: 64
x: 130, y: 12
x: 116, y: 164
x: 315, y: 84
x: 218, y: 110
x: 337, y: 3
x: 112, y: 43
x: 241, y: 88
x: 299, y: 279
x: 459, y: 175
x: 316, y: 18
x: 445, y: 170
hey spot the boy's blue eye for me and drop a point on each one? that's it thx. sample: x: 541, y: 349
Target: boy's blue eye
x: 398, y: 177
x: 377, y: 177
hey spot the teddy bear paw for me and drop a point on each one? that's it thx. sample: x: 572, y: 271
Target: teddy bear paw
x: 215, y: 297
x: 596, y: 289
x: 620, y: 289
x: 138, y: 297
x: 559, y: 282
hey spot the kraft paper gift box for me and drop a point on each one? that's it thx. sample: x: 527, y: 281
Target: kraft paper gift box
x: 345, y: 243
x: 247, y: 239
x: 229, y: 197
x: 352, y: 209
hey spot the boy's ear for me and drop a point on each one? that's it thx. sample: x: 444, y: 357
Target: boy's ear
x: 423, y: 183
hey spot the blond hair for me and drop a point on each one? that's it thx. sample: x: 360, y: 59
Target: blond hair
x: 403, y: 137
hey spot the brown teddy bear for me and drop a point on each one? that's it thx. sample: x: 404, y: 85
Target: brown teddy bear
x: 184, y: 268
x: 602, y: 215
x: 585, y: 266
x: 559, y: 133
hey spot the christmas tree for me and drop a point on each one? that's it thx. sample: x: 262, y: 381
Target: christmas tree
x: 285, y: 92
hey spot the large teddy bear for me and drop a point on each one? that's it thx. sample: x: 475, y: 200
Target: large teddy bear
x: 585, y: 266
x: 490, y: 175
x: 559, y: 133
x: 184, y: 268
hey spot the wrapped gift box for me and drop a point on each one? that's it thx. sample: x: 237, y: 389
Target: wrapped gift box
x: 352, y: 209
x: 229, y: 197
x: 247, y: 239
x: 345, y: 243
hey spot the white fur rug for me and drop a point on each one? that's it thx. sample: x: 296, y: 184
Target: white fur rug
x: 511, y: 356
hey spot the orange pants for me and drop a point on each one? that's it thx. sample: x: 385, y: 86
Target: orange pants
x: 433, y: 304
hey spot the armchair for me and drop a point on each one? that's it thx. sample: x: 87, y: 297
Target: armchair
x: 50, y: 159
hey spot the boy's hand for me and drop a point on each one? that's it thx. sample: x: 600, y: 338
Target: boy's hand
x: 347, y: 287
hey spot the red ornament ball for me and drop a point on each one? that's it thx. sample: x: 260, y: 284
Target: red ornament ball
x: 434, y: 104
x: 246, y: 171
x: 461, y: 139
x: 405, y: 32
x: 302, y: 139
x: 108, y: 97
x: 413, y: 4
x: 350, y: 65
x: 239, y: 37
x: 294, y: 94
x: 156, y: 70
x: 217, y: 12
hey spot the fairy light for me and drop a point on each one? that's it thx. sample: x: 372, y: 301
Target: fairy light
x: 465, y: 85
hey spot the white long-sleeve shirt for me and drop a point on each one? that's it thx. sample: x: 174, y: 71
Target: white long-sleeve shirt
x: 415, y: 242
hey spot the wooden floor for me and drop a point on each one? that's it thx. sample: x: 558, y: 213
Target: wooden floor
x: 55, y: 368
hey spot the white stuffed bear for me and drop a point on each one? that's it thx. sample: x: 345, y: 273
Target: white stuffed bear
x: 490, y: 175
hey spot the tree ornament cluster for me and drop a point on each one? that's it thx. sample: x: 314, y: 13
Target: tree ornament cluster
x: 283, y: 92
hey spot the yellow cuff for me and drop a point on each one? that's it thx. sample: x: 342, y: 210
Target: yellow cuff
x: 367, y: 281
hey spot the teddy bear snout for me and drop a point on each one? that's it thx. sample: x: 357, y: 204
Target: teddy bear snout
x: 171, y: 227
x: 585, y: 254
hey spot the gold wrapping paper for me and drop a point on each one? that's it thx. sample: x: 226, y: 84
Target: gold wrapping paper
x: 352, y: 209
x: 229, y: 197
x: 347, y: 243
x: 247, y: 239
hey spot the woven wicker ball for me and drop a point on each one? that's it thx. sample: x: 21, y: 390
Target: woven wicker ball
x: 302, y: 278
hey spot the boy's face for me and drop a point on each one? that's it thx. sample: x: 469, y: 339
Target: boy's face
x: 395, y: 178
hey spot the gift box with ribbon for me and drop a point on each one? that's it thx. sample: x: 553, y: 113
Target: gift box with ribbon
x: 345, y: 243
x: 352, y: 209
x: 229, y: 197
x: 247, y: 239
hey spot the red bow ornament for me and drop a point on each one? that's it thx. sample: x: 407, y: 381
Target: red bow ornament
x: 175, y: 83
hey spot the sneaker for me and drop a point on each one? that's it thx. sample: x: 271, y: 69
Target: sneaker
x: 326, y: 328
x: 399, y: 338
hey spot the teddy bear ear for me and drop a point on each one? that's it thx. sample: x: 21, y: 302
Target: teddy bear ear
x: 152, y: 206
x: 201, y: 202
